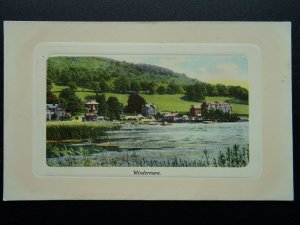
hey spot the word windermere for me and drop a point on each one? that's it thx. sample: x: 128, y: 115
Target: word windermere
x: 137, y: 172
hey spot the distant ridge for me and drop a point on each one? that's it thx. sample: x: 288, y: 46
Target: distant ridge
x: 97, y: 68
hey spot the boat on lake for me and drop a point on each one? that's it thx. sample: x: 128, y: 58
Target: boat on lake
x: 153, y: 123
x: 209, y: 122
x: 166, y: 124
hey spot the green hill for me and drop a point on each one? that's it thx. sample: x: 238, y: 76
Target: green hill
x: 88, y: 72
x: 169, y: 90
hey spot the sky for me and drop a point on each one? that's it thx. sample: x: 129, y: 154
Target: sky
x: 233, y: 68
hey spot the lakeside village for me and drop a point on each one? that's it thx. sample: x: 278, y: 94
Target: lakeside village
x: 205, y: 112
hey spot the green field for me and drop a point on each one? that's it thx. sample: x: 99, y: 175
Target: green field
x: 164, y: 103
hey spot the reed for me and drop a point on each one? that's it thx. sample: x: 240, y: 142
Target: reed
x: 233, y: 157
x: 55, y: 150
x: 70, y: 156
x: 60, y: 131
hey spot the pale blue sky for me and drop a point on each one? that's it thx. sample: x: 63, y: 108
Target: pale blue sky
x: 204, y: 68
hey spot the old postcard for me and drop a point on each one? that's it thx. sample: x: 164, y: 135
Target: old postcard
x: 132, y: 109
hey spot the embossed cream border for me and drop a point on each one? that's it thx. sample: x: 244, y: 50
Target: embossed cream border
x: 267, y: 46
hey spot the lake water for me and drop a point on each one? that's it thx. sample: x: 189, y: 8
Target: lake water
x: 186, y: 141
x: 187, y: 137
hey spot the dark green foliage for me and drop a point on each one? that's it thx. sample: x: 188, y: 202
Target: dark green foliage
x: 222, y: 90
x: 49, y: 84
x: 219, y: 115
x: 103, y: 85
x: 70, y: 102
x: 238, y: 92
x: 211, y: 89
x: 135, y: 86
x: 122, y: 85
x: 75, y: 130
x: 89, y: 98
x: 65, y: 118
x: 233, y: 157
x: 114, y: 107
x: 51, y: 98
x: 174, y: 89
x: 161, y: 90
x: 151, y: 88
x: 86, y: 70
x: 72, y: 85
x: 196, y: 92
x: 103, y: 107
x: 135, y: 103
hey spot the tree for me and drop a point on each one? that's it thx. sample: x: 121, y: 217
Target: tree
x: 238, y: 92
x: 151, y: 88
x: 103, y: 86
x: 135, y: 103
x: 135, y: 86
x: 70, y: 101
x: 144, y: 85
x: 72, y: 85
x: 49, y: 84
x: 102, y: 107
x: 94, y: 85
x: 222, y: 90
x: 51, y: 98
x: 121, y: 84
x: 211, y: 90
x: 161, y: 90
x: 219, y: 115
x: 174, y: 89
x: 195, y: 92
x: 114, y: 107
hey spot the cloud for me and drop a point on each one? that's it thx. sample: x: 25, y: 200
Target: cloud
x: 203, y: 68
x: 222, y: 71
x: 172, y: 63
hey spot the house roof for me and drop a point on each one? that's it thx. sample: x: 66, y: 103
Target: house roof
x: 52, y: 106
x: 92, y: 102
x: 219, y: 103
x: 149, y: 105
x: 196, y: 107
x: 171, y: 114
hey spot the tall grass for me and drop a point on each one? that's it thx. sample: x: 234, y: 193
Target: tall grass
x: 78, y: 130
x: 55, y: 150
x: 232, y: 157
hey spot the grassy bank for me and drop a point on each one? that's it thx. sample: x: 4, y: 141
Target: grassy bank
x: 78, y: 130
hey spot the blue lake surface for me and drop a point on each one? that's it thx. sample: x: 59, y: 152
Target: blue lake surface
x: 182, y: 136
x: 184, y: 141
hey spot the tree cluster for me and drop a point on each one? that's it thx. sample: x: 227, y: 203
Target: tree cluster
x: 199, y: 90
x: 134, y: 104
x: 219, y: 115
x: 70, y: 102
x: 110, y: 108
x: 103, y: 74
